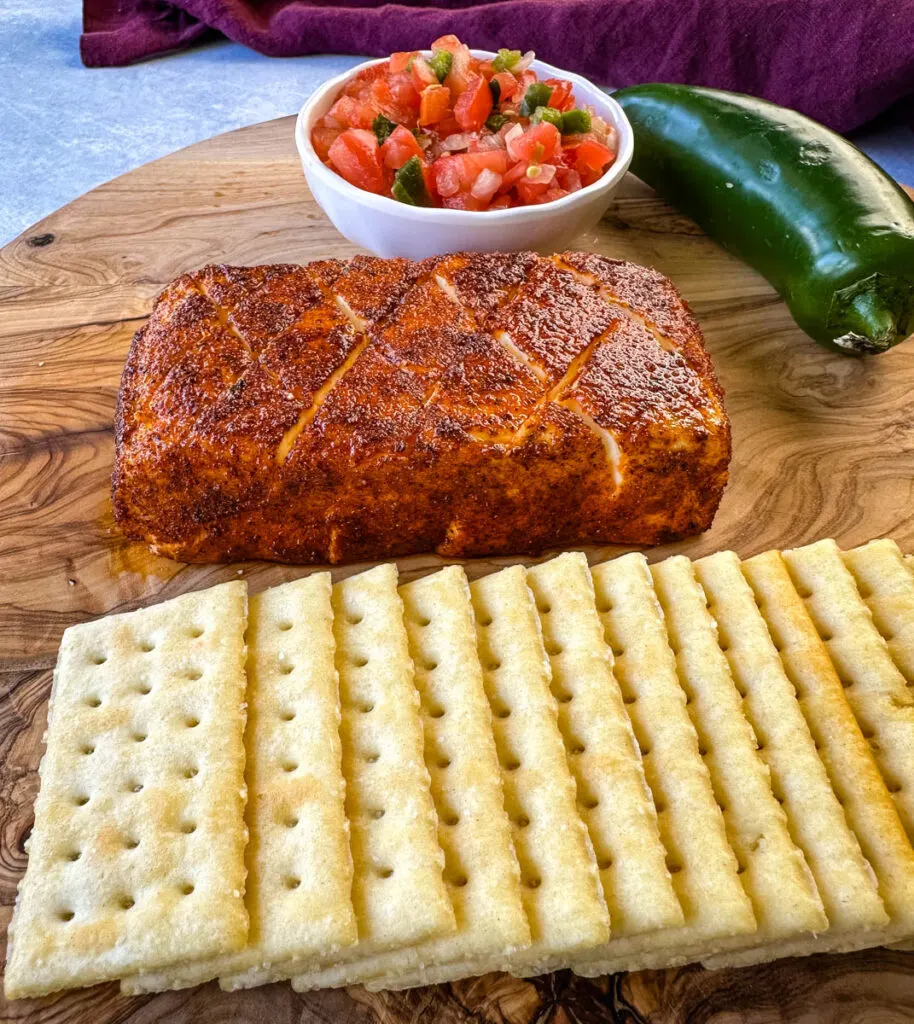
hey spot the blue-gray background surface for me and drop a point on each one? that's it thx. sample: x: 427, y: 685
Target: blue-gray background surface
x: 65, y: 129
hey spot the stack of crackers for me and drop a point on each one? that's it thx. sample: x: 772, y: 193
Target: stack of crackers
x: 624, y: 767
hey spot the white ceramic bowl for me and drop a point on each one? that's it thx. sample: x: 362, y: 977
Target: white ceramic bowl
x: 391, y: 228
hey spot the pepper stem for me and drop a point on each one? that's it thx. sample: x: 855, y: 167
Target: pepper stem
x: 869, y: 316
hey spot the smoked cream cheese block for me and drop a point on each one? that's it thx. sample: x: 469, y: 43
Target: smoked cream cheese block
x: 472, y: 404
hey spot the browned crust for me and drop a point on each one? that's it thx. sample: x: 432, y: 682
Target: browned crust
x: 472, y: 405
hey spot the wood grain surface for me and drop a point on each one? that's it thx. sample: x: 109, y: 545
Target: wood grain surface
x: 823, y: 446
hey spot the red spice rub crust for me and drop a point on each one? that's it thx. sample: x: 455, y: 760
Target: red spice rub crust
x: 470, y: 405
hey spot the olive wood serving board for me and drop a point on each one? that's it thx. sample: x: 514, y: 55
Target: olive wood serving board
x: 823, y: 446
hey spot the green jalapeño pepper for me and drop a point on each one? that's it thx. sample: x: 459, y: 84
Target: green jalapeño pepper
x: 382, y: 127
x: 537, y: 95
x: 409, y: 185
x: 831, y: 231
x: 441, y: 63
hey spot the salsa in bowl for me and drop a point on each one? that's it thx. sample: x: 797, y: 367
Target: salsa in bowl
x: 463, y: 132
x: 535, y: 202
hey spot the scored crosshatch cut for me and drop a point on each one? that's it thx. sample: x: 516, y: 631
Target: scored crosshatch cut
x: 481, y: 869
x: 136, y: 859
x: 848, y: 759
x: 873, y: 684
x: 716, y: 910
x: 299, y: 864
x: 613, y: 796
x: 562, y: 894
x: 816, y: 820
x: 398, y: 892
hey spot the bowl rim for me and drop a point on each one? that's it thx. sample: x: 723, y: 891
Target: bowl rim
x: 439, y: 215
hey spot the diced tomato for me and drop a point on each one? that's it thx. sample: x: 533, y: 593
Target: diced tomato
x: 451, y: 43
x: 463, y: 201
x: 514, y: 175
x: 349, y: 112
x: 423, y: 76
x: 473, y: 105
x: 486, y: 68
x: 403, y: 92
x: 357, y: 156
x: 461, y: 72
x: 435, y: 103
x: 593, y: 155
x: 322, y: 139
x: 562, y: 97
x: 540, y: 143
x: 507, y: 83
x: 400, y: 61
x: 568, y: 179
x: 501, y: 203
x: 398, y: 147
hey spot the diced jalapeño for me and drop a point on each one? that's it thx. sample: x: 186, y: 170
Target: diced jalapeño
x: 549, y: 114
x: 537, y: 95
x: 495, y: 89
x: 441, y: 62
x: 495, y: 122
x: 382, y: 127
x: 409, y: 185
x: 506, y: 59
x: 575, y: 122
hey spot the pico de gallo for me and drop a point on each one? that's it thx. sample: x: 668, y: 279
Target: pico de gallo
x: 454, y: 131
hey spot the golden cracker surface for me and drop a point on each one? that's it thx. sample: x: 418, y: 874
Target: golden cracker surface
x: 613, y: 796
x: 481, y: 869
x: 136, y: 859
x: 299, y: 864
x: 874, y: 686
x: 774, y: 871
x: 816, y: 819
x: 561, y: 888
x: 854, y: 775
x: 716, y: 910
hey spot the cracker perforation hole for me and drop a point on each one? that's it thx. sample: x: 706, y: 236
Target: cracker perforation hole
x: 436, y: 711
x: 429, y: 664
x: 144, y: 689
x: 131, y: 843
x: 194, y: 674
x: 289, y: 766
x: 376, y: 813
x: 451, y: 819
x: 533, y: 881
x: 285, y: 669
x: 562, y: 695
x: 292, y: 882
x: 553, y: 648
x: 188, y: 828
x: 510, y: 764
x: 187, y: 888
x: 604, y: 863
x: 284, y: 627
x: 195, y: 632
x: 893, y: 786
x: 147, y: 646
x: 192, y: 721
x: 502, y: 711
x: 81, y: 799
x: 72, y: 856
x: 522, y: 821
x: 287, y: 715
x: 134, y: 786
x: 354, y: 618
x: 493, y: 666
x: 372, y: 758
x: 290, y: 821
x: 191, y: 772
x: 385, y: 872
x: 125, y: 902
x: 589, y: 802
x: 673, y: 866
x: 359, y: 660
x: 484, y: 619
x: 576, y: 748
x: 87, y: 749
x: 458, y: 881
x: 139, y: 737
x: 618, y: 650
x: 444, y: 762
x: 99, y: 659
x: 65, y: 915
x: 545, y: 608
x: 94, y: 701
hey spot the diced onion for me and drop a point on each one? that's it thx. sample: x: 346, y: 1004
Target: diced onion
x: 486, y: 184
x: 454, y: 143
x: 528, y: 58
x: 542, y: 174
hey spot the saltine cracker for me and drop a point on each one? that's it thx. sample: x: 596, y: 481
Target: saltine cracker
x: 817, y: 823
x: 299, y: 864
x: 136, y: 859
x: 481, y: 869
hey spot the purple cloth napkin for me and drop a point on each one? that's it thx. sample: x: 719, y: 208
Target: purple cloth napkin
x: 840, y: 61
